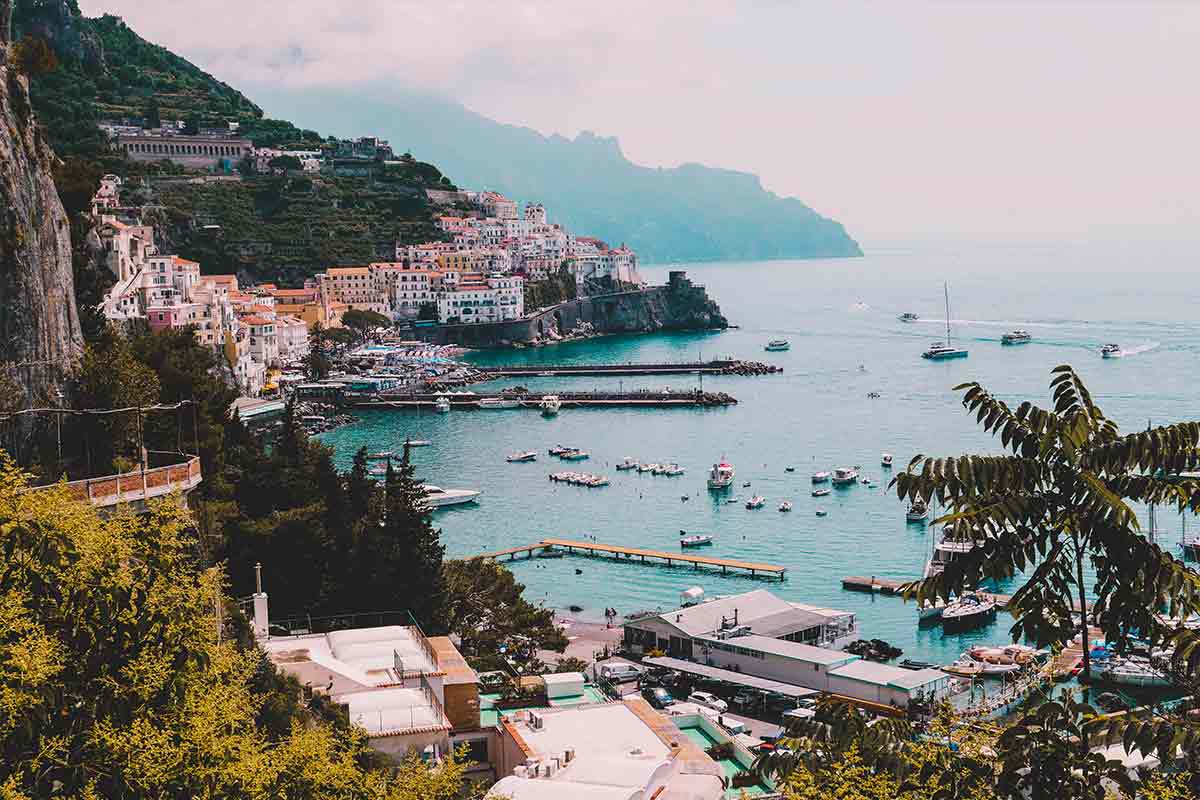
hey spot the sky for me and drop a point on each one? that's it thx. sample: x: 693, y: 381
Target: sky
x: 904, y: 121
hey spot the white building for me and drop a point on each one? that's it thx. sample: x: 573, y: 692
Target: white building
x: 292, y: 334
x: 495, y: 298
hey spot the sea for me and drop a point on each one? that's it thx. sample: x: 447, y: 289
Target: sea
x: 841, y: 318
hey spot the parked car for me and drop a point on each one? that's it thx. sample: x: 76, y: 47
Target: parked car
x: 748, y: 698
x: 709, y: 701
x: 658, y: 697
x: 619, y: 673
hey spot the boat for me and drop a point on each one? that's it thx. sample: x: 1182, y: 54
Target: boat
x: 378, y: 471
x: 647, y: 467
x: 575, y: 455
x: 441, y: 404
x: 1017, y: 336
x: 1111, y: 351
x: 672, y: 470
x: 786, y: 505
x: 721, y: 476
x: 1006, y: 654
x: 437, y: 497
x: 628, y: 462
x: 776, y: 345
x: 821, y: 477
x: 494, y: 403
x: 417, y: 443
x: 381, y: 455
x: 660, y: 469
x: 550, y: 405
x: 969, y: 611
x: 1131, y: 672
x: 758, y: 501
x: 694, y: 539
x: 939, y: 351
x: 822, y: 492
x: 519, y: 458
x: 844, y: 476
x: 746, y: 485
x: 908, y: 316
x: 866, y: 481
x: 917, y: 512
x: 822, y: 512
x: 885, y: 461
x: 559, y: 449
x: 964, y: 667
x: 789, y: 469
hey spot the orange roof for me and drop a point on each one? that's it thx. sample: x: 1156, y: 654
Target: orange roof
x: 179, y: 260
x: 257, y: 320
x: 257, y: 307
x: 347, y: 271
x: 293, y: 292
x: 221, y: 278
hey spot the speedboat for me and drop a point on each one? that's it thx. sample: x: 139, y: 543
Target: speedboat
x: 822, y: 512
x: 969, y: 611
x: 550, y: 405
x: 776, y: 345
x: 820, y: 477
x: 822, y: 492
x: 441, y: 404
x: 908, y: 316
x: 517, y: 458
x: 647, y: 467
x: 940, y: 351
x: 786, y: 505
x: 721, y: 476
x: 559, y: 449
x: 1131, y: 672
x: 917, y: 512
x: 694, y: 539
x: 1111, y: 351
x: 575, y: 455
x: 758, y: 501
x: 672, y: 470
x: 493, y: 403
x: 845, y: 476
x: 629, y: 462
x: 885, y: 461
x: 437, y: 497
x: 1016, y: 337
x: 964, y: 667
x: 383, y: 455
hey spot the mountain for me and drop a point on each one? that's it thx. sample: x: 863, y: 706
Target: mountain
x: 690, y: 212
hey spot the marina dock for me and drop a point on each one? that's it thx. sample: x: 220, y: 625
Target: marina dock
x: 718, y: 367
x: 640, y: 556
x: 686, y: 399
x: 857, y: 583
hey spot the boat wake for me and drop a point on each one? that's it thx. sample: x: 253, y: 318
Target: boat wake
x: 1142, y: 348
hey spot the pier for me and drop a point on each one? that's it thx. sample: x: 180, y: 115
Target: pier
x: 636, y: 399
x: 857, y: 583
x: 718, y: 367
x: 637, y: 555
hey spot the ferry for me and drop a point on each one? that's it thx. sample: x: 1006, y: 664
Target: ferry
x: 493, y: 403
x: 844, y: 476
x: 629, y: 462
x: 758, y: 501
x: 1111, y: 351
x: 908, y: 316
x: 442, y: 404
x: 520, y: 458
x: 1016, y: 337
x: 776, y: 345
x: 550, y: 405
x: 721, y: 476
x: 821, y: 477
x: 437, y: 497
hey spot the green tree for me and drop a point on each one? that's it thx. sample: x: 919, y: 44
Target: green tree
x: 110, y: 376
x: 152, y: 116
x: 361, y: 322
x: 427, y: 312
x: 361, y: 489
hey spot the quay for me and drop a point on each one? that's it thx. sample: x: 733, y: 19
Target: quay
x: 717, y: 367
x: 470, y: 401
x: 857, y: 583
x: 640, y: 556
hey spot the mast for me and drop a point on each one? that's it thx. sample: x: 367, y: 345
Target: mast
x: 946, y: 288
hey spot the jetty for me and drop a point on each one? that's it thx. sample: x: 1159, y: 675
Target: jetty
x: 637, y: 555
x: 631, y: 399
x: 887, y: 586
x: 718, y: 367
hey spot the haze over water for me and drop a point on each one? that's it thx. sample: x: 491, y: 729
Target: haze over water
x: 839, y: 316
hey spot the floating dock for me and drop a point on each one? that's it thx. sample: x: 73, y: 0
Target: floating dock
x: 718, y: 367
x: 857, y: 583
x: 640, y: 556
x: 688, y: 399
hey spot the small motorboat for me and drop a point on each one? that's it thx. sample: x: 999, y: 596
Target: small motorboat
x: 789, y: 469
x: 776, y: 345
x: 786, y: 505
x: 917, y: 512
x: 673, y: 470
x: 824, y: 491
x: 964, y: 667
x: 498, y: 403
x: 844, y: 476
x: 1111, y: 351
x: 1016, y: 337
x: 559, y: 449
x: 1132, y: 672
x: 550, y: 404
x: 822, y: 512
x: 746, y: 485
x: 548, y: 553
x: 694, y: 539
x: 865, y: 481
x: 758, y: 501
x: 683, y: 498
x: 732, y: 501
x: 575, y: 455
x: 629, y: 462
x: 648, y: 467
x: 519, y: 458
x: 417, y: 443
x: 821, y: 477
x: 442, y: 404
x: 382, y: 455
x: 908, y: 316
x: 885, y: 461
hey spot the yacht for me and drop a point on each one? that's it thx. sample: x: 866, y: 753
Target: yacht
x: 820, y: 477
x: 1111, y: 351
x: 786, y: 505
x: 628, y: 462
x: 1016, y: 337
x: 917, y: 512
x: 775, y: 345
x: 437, y: 497
x: 758, y: 501
x: 499, y: 402
x: 550, y: 405
x: 845, y: 476
x: 518, y: 458
x: 969, y: 611
x: 908, y: 316
x: 939, y: 351
x: 824, y: 491
x: 885, y: 461
x: 945, y: 550
x: 1131, y: 672
x: 575, y: 455
x: 442, y: 404
x: 694, y: 539
x: 721, y: 476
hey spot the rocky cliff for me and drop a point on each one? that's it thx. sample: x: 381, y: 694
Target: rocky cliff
x: 39, y: 325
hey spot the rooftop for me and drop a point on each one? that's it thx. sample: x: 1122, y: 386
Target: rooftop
x: 794, y: 650
x: 351, y: 660
x: 887, y: 675
x: 776, y: 616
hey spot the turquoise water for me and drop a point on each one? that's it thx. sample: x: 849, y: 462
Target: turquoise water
x: 846, y: 341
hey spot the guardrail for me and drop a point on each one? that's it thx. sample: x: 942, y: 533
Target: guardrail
x: 138, y: 486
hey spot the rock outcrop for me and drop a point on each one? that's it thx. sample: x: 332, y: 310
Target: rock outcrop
x: 39, y: 325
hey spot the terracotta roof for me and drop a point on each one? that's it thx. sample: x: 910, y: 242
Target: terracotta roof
x: 252, y: 320
x: 293, y: 292
x: 347, y: 271
x: 179, y: 260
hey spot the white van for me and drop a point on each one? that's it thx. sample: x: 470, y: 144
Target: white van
x: 621, y: 672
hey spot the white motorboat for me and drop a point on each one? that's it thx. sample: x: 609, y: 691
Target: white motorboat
x: 648, y: 467
x: 776, y: 345
x: 383, y: 455
x: 964, y: 667
x: 437, y: 497
x: 942, y: 351
x: 821, y: 477
x: 969, y: 611
x: 694, y: 539
x: 520, y: 458
x: 758, y: 501
x: 575, y: 455
x: 550, y: 405
x: 673, y: 470
x: 1111, y: 351
x: 1016, y: 337
x: 908, y: 316
x: 417, y: 442
x: 659, y: 469
x: 844, y: 476
x: 1131, y: 672
x: 441, y: 404
x: 822, y: 492
x: 494, y: 403
x: 917, y: 512
x: 1007, y: 654
x: 559, y: 449
x: 786, y: 505
x: 885, y: 461
x: 628, y: 462
x: 721, y: 476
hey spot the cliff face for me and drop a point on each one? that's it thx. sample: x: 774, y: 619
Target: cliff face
x: 39, y: 325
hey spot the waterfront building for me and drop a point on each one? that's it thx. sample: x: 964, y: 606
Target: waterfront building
x: 475, y: 298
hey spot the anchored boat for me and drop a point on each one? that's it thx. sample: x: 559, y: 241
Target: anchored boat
x: 721, y: 476
x: 939, y: 351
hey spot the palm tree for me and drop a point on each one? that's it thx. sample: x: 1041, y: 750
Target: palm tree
x: 1059, y: 500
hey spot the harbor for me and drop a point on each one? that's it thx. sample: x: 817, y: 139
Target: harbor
x: 635, y: 555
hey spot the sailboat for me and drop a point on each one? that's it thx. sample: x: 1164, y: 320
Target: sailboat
x: 939, y: 351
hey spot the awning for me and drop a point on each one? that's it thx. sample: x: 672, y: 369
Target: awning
x: 729, y: 676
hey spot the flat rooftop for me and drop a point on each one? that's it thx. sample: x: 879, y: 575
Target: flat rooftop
x: 887, y: 675
x: 350, y: 660
x: 394, y: 711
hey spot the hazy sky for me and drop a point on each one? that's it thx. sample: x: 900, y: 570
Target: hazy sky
x: 901, y: 120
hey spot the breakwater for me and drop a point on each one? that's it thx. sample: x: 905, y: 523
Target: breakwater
x: 470, y: 401
x: 718, y: 367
